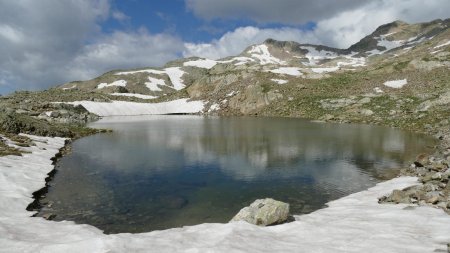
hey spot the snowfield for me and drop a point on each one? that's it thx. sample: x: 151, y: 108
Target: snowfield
x: 121, y: 83
x: 174, y: 73
x: 261, y: 52
x: 201, y: 63
x: 123, y: 108
x: 356, y: 223
x: 292, y: 71
x: 396, y: 84
x: 279, y: 81
x: 134, y: 95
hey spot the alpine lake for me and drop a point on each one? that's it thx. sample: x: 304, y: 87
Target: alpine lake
x: 160, y: 172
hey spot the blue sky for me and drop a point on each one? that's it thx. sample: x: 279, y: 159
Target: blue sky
x: 50, y: 42
x: 174, y: 17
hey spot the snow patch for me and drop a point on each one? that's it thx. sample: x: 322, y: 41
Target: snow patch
x: 378, y: 90
x: 232, y: 93
x: 123, y: 108
x: 442, y: 45
x: 292, y: 71
x: 121, y: 83
x: 315, y: 55
x: 261, y: 52
x: 280, y: 81
x: 153, y: 83
x: 71, y: 87
x: 201, y: 63
x: 134, y: 95
x: 396, y: 84
x: 214, y: 107
x: 150, y: 71
x: 324, y: 70
x: 175, y: 75
x: 389, y: 44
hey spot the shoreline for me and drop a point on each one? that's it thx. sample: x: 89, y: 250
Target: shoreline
x: 395, y: 183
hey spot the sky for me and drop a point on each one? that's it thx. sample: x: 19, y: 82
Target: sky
x: 49, y: 42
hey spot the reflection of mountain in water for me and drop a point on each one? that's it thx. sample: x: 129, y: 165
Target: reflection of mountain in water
x: 162, y: 172
x: 259, y: 144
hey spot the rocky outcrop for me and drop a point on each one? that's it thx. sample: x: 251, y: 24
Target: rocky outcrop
x: 264, y: 212
x: 434, y: 174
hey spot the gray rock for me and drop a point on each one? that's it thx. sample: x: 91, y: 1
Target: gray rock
x: 366, y: 112
x: 364, y: 100
x: 49, y: 216
x: 432, y: 197
x: 264, y: 212
x: 437, y: 176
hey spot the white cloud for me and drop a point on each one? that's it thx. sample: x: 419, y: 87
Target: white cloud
x: 235, y: 42
x: 125, y: 50
x: 49, y: 42
x: 341, y: 30
x: 348, y: 27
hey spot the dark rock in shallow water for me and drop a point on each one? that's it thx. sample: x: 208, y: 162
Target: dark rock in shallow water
x: 174, y: 202
x: 49, y: 216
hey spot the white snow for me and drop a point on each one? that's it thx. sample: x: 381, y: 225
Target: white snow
x: 374, y: 52
x: 261, y: 52
x: 214, y: 107
x: 389, y: 44
x: 121, y: 83
x: 389, y: 34
x: 442, y: 45
x: 201, y: 63
x: 378, y: 90
x: 324, y: 70
x: 242, y: 60
x: 293, y: 71
x: 356, y: 223
x: 396, y: 84
x: 315, y: 55
x: 123, y: 108
x: 280, y: 81
x: 175, y: 75
x: 151, y: 71
x: 435, y: 52
x: 134, y: 95
x: 232, y: 93
x: 71, y: 87
x: 153, y: 83
x: 352, y: 61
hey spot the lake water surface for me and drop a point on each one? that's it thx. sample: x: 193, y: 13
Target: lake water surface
x: 159, y: 172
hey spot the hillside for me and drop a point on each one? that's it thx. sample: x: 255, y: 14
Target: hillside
x: 396, y: 76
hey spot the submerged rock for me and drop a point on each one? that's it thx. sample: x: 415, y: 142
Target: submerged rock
x: 264, y: 212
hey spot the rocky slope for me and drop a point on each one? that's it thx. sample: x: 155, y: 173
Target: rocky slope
x: 291, y: 79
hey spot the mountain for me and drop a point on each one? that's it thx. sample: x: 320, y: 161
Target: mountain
x: 398, y: 76
x: 269, y: 65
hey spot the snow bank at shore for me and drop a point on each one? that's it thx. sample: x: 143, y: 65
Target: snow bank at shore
x: 356, y: 223
x: 123, y: 108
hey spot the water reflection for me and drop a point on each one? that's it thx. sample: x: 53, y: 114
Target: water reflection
x: 165, y: 171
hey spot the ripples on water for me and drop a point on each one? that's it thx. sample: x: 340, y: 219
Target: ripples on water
x: 160, y: 172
